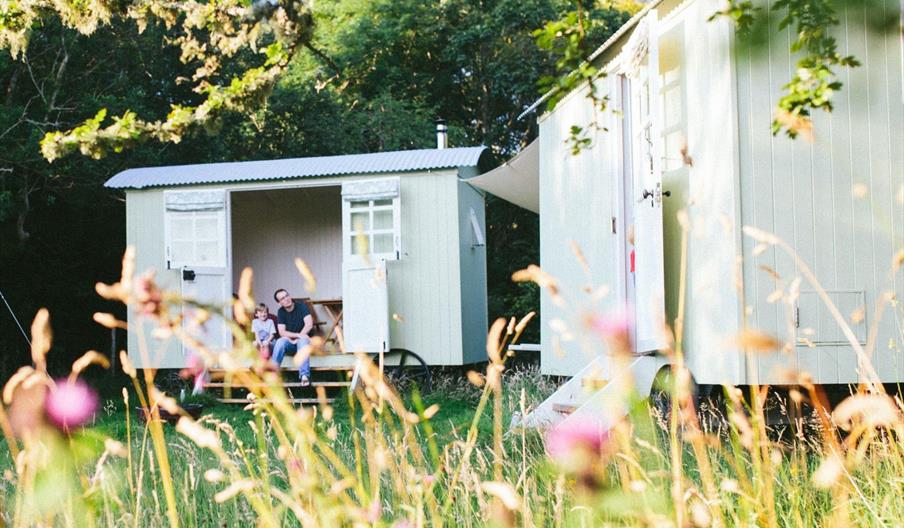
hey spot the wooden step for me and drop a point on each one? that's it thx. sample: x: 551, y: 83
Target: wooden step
x: 303, y: 401
x: 564, y: 408
x: 287, y: 384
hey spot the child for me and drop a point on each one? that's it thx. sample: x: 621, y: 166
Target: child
x: 264, y: 331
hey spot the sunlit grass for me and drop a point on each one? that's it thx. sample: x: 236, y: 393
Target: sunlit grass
x: 382, y: 455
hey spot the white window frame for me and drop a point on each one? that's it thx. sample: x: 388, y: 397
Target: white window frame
x: 174, y: 261
x: 371, y: 207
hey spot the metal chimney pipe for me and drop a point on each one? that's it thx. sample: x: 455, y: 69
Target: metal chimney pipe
x: 442, y: 137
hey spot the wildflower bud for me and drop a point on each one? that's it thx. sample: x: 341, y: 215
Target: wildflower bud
x: 108, y: 320
x: 40, y: 338
x: 214, y: 475
x: 429, y: 412
x: 829, y: 471
x: 234, y: 489
x: 70, y: 404
x: 115, y: 448
x: 578, y: 447
x: 615, y: 329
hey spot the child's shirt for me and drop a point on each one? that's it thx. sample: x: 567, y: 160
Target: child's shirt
x: 262, y: 329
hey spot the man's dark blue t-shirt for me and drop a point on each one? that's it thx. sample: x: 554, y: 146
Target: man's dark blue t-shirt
x: 293, y: 320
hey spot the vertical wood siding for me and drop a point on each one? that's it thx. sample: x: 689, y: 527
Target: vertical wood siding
x: 804, y: 193
x: 578, y: 195
x: 425, y: 284
x: 707, y: 193
x: 144, y: 231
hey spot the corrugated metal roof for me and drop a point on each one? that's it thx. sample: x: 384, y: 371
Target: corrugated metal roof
x: 266, y: 170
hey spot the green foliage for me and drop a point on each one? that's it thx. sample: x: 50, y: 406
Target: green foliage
x: 572, y: 39
x: 812, y: 24
x: 207, y: 34
x: 814, y: 83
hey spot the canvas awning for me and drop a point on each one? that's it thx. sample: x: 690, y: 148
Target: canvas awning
x: 517, y: 180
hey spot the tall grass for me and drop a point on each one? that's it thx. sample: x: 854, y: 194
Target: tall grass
x: 379, y: 457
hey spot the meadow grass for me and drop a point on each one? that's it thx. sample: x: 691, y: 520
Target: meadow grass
x: 383, y: 455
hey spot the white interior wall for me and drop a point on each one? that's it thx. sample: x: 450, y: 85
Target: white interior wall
x: 272, y: 227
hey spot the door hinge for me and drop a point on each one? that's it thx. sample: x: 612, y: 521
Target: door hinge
x: 613, y: 225
x: 797, y: 317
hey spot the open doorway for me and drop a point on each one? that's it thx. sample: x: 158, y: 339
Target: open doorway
x: 271, y: 227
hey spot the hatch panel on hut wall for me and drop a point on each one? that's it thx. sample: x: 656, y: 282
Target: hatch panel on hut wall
x: 804, y: 193
x: 577, y: 198
x: 270, y: 228
x: 696, y: 58
x: 473, y: 265
x: 144, y: 231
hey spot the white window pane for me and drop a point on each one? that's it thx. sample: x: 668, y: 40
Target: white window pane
x: 358, y: 205
x: 207, y: 228
x: 383, y: 219
x: 383, y: 244
x: 358, y: 245
x: 672, y: 75
x: 182, y: 252
x: 388, y: 201
x: 672, y: 106
x: 674, y: 142
x: 181, y: 227
x: 361, y: 222
x: 208, y: 253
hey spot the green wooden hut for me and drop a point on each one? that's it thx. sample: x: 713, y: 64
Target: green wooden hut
x: 418, y: 283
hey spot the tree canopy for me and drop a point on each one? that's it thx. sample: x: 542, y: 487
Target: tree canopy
x: 126, y: 85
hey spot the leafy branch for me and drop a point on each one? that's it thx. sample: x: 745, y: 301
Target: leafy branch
x: 208, y: 33
x: 815, y: 81
x: 567, y: 40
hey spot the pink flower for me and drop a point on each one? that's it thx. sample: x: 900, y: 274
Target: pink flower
x: 148, y: 295
x: 70, y: 404
x: 574, y: 443
x: 615, y: 328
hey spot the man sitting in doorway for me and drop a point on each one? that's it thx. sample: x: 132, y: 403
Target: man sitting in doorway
x: 294, y: 323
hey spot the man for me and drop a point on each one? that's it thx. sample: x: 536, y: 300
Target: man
x: 294, y: 323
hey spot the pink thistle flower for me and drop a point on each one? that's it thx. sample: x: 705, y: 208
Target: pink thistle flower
x: 70, y: 404
x: 615, y: 328
x: 575, y: 443
x: 148, y: 295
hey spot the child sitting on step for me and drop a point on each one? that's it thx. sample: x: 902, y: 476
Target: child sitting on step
x: 264, y: 330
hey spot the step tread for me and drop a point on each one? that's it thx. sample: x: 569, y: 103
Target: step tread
x: 564, y: 408
x: 319, y: 368
x: 292, y: 384
x: 291, y: 400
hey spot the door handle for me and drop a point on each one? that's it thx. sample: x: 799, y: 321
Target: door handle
x: 655, y: 195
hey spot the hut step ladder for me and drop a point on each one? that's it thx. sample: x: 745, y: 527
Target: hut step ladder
x: 587, y: 396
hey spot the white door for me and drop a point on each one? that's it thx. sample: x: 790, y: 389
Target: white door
x: 371, y: 237
x: 646, y: 149
x: 365, y: 308
x: 207, y: 288
x: 196, y: 234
